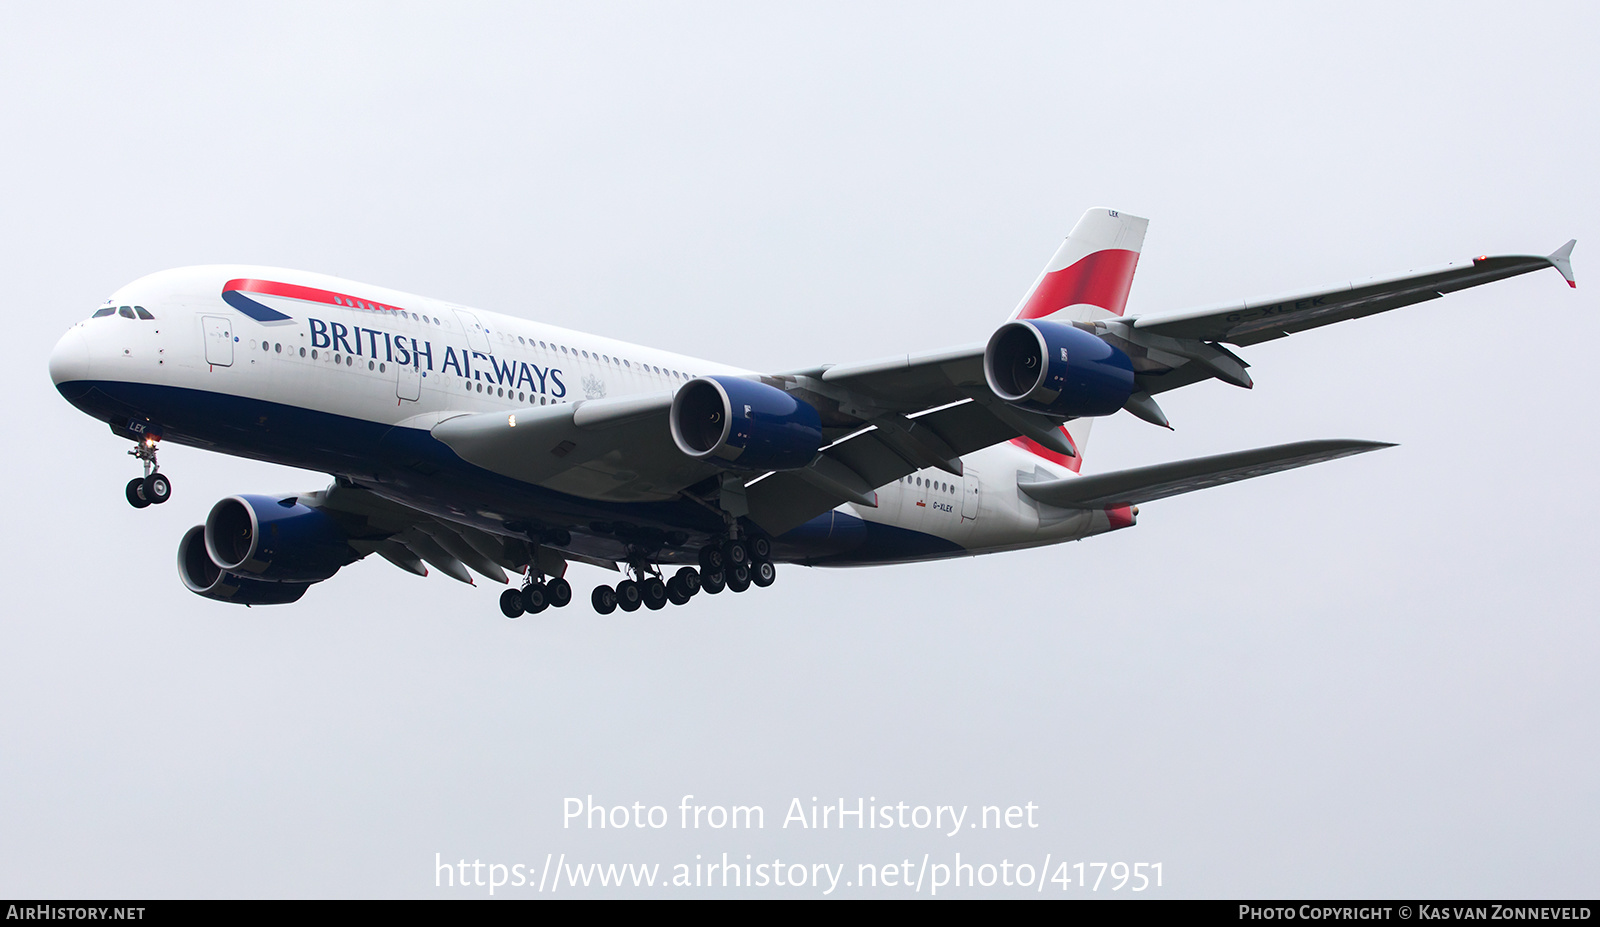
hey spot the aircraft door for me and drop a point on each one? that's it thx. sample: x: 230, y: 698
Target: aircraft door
x: 477, y: 336
x: 408, y: 382
x: 970, y: 486
x: 219, y: 340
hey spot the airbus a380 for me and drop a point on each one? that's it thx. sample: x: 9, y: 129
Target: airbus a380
x: 478, y: 442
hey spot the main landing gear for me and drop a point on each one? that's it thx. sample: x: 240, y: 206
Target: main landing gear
x: 536, y: 595
x: 153, y: 488
x: 734, y: 564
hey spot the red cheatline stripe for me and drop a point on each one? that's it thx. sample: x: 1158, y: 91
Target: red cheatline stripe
x: 1034, y: 447
x: 1099, y: 279
x: 307, y: 293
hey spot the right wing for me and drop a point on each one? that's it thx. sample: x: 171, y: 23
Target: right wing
x: 1256, y: 320
x: 1181, y: 348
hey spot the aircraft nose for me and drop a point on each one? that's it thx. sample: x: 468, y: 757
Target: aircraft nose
x: 69, y: 361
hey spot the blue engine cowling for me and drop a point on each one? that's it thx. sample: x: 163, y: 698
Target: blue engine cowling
x: 744, y: 425
x: 1057, y: 369
x: 203, y: 577
x: 275, y: 540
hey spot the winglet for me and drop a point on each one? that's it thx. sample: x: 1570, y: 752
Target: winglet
x: 1562, y: 259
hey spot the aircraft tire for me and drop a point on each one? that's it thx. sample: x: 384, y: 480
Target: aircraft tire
x: 675, y: 592
x: 157, y: 488
x: 739, y: 578
x: 511, y: 603
x: 689, y: 579
x: 604, y: 599
x: 735, y: 553
x: 763, y: 573
x: 760, y: 549
x: 710, y: 558
x: 654, y: 592
x: 535, y: 599
x: 135, y: 493
x: 713, y: 582
x: 559, y: 592
x: 628, y: 596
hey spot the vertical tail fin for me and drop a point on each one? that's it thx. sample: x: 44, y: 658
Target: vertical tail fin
x: 1092, y: 271
x: 1088, y: 278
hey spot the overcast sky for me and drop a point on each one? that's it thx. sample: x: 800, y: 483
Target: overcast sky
x: 1373, y: 677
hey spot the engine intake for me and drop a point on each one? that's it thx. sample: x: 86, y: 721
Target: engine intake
x: 275, y: 540
x: 744, y: 425
x: 1057, y: 369
x: 203, y: 577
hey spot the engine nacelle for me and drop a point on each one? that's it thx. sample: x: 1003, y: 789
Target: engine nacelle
x: 203, y: 577
x: 275, y: 540
x: 744, y: 425
x: 1057, y: 369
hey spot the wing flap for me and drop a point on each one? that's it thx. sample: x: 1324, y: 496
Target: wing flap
x: 1146, y: 484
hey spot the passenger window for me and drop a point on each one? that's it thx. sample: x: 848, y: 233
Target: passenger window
x: 302, y: 352
x: 144, y: 313
x: 125, y: 311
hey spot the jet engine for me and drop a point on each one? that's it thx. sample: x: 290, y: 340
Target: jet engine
x: 1057, y: 369
x: 203, y: 577
x: 279, y: 540
x: 744, y: 425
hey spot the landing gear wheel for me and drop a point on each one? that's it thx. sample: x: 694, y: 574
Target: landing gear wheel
x: 764, y: 573
x: 739, y: 578
x: 713, y: 582
x: 735, y: 552
x: 511, y: 603
x: 760, y: 549
x: 675, y: 593
x: 654, y: 592
x: 604, y: 599
x: 157, y: 488
x: 535, y: 600
x: 710, y: 558
x: 689, y: 580
x: 136, y: 493
x: 628, y: 596
x: 559, y: 592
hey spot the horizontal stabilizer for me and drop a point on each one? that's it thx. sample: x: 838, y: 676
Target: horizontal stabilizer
x: 1145, y: 484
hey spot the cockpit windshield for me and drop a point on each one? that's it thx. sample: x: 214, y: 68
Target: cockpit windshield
x: 127, y: 312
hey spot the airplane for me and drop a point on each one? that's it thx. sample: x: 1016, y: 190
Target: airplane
x: 475, y: 442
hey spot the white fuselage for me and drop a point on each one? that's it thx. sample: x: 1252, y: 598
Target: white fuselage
x: 366, y: 356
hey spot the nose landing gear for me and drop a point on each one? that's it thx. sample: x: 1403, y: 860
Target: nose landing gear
x: 153, y: 488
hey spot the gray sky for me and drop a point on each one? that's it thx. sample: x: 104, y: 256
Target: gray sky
x: 1374, y: 677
